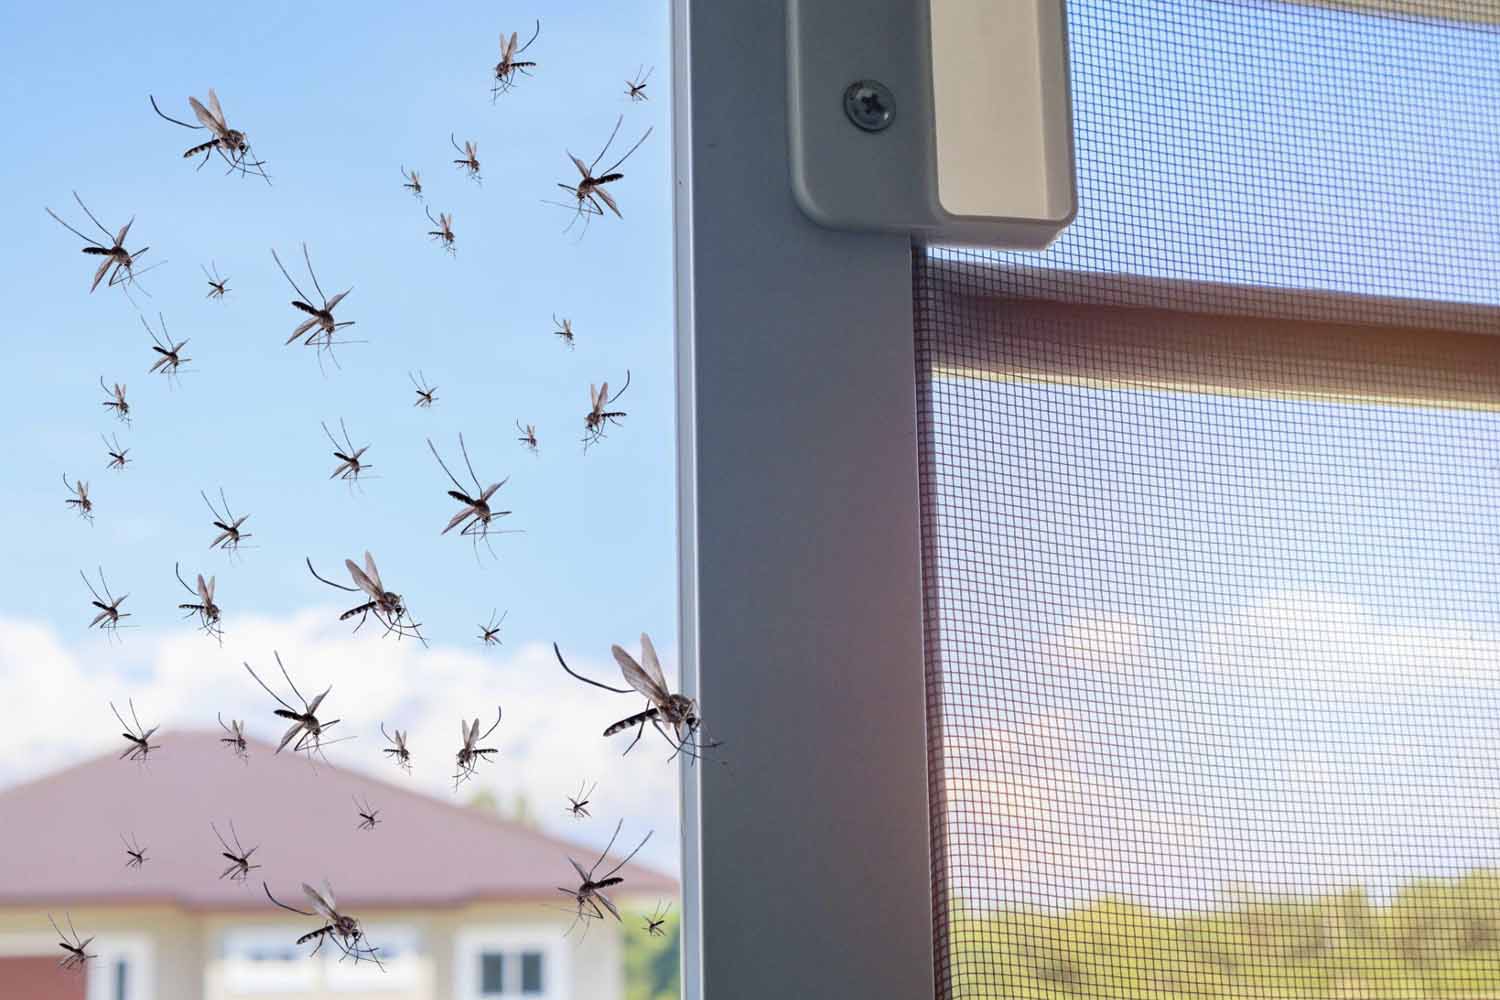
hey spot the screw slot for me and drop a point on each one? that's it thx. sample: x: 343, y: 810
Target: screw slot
x: 870, y: 105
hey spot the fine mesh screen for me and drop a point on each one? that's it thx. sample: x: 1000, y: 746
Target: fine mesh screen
x: 1210, y: 525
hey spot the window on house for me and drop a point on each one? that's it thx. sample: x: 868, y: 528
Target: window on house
x: 492, y: 973
x: 511, y: 973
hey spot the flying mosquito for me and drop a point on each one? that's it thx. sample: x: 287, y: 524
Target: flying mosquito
x: 135, y: 853
x: 444, y: 231
x: 387, y: 607
x: 108, y: 618
x: 77, y: 950
x: 578, y: 804
x: 350, y: 466
x: 600, y: 415
x: 138, y: 737
x: 564, y: 330
x: 637, y: 85
x: 589, y: 196
x: 490, y: 634
x: 320, y: 327
x: 230, y: 536
x: 413, y: 182
x: 217, y: 287
x: 471, y: 755
x: 79, y: 501
x: 240, y: 866
x: 117, y: 455
x: 171, y: 360
x: 234, y: 737
x: 470, y: 158
x: 397, y: 748
x: 528, y: 436
x: 116, y: 258
x: 675, y: 710
x: 344, y: 930
x: 426, y: 394
x: 509, y: 66
x: 231, y: 144
x: 658, y: 917
x: 205, y: 608
x: 115, y: 400
x: 590, y: 892
x: 306, y: 730
x: 476, y: 508
x: 369, y: 818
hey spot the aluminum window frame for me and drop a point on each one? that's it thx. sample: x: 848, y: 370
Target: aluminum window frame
x: 806, y: 854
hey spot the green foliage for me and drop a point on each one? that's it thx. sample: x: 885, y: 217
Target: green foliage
x: 1436, y: 938
x: 653, y: 964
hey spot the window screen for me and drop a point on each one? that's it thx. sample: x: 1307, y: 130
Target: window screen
x: 1209, y: 523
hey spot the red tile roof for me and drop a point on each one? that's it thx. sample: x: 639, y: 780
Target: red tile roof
x: 60, y: 836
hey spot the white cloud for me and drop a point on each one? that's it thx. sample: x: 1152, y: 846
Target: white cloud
x: 57, y: 698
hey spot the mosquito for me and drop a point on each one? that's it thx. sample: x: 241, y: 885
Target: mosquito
x: 344, y: 930
x: 217, y: 287
x: 115, y: 400
x: 234, y: 737
x: 476, y: 507
x: 78, y: 955
x: 564, y: 330
x: 444, y: 231
x: 118, y: 262
x: 369, y: 818
x: 675, y: 710
x: 471, y: 755
x: 135, y: 853
x: 306, y: 730
x: 79, y: 501
x: 658, y: 917
x: 205, y: 608
x: 590, y: 197
x: 578, y: 804
x: 413, y: 182
x: 637, y: 85
x: 350, y: 465
x: 470, y: 158
x: 509, y: 66
x: 589, y: 895
x: 117, y: 455
x: 240, y: 866
x: 426, y: 394
x: 397, y: 748
x: 171, y: 360
x: 138, y: 737
x: 600, y: 415
x: 320, y: 327
x: 490, y: 634
x: 231, y: 144
x: 108, y: 618
x: 528, y: 435
x: 387, y: 607
x: 230, y: 536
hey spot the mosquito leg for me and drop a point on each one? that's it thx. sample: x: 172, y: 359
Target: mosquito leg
x: 639, y: 732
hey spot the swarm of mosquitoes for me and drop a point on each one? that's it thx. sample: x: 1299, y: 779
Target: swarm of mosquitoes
x: 674, y: 716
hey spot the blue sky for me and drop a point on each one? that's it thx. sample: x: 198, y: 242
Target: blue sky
x: 336, y: 98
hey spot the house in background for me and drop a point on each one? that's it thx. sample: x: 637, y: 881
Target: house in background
x: 462, y: 904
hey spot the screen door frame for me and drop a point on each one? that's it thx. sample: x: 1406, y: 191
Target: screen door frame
x: 806, y: 854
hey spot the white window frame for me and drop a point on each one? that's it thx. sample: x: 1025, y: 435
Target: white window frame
x: 807, y: 861
x: 108, y: 948
x: 512, y: 940
x: 323, y: 971
x: 243, y: 975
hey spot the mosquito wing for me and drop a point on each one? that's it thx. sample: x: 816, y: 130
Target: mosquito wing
x: 579, y: 164
x: 370, y: 570
x: 205, y: 590
x: 579, y: 869
x: 364, y: 582
x: 337, y: 299
x: 605, y: 197
x: 319, y: 903
x: 99, y: 274
x: 457, y: 519
x: 204, y: 115
x: 473, y: 736
x: 288, y: 737
x: 507, y: 48
x: 301, y: 330
x: 650, y: 663
x: 213, y: 103
x: 312, y: 706
x: 607, y: 904
x: 638, y: 679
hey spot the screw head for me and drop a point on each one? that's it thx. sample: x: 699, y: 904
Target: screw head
x: 870, y: 105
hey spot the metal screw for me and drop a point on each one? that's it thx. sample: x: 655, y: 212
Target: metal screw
x: 870, y: 105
